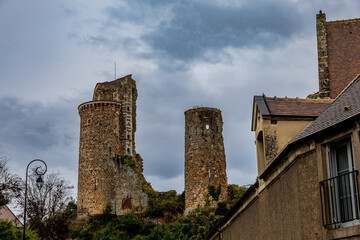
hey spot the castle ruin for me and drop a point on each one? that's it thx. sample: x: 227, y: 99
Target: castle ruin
x: 110, y: 170
x: 205, y: 164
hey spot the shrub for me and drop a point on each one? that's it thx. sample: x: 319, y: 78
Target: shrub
x: 214, y: 192
x: 222, y: 209
x: 8, y: 231
x: 148, y: 228
x: 130, y: 223
x: 235, y: 193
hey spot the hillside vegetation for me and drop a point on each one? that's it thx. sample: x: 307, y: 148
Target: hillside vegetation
x: 163, y: 219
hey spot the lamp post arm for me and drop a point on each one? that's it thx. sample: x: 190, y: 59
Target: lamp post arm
x: 26, y: 178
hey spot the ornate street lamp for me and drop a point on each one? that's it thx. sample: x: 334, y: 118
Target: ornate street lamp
x: 39, y: 184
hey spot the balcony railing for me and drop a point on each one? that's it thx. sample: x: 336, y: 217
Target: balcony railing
x: 340, y: 199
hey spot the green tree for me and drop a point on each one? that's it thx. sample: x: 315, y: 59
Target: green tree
x: 9, y: 231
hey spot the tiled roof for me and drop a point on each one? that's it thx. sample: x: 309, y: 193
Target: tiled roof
x: 346, y: 106
x: 294, y: 107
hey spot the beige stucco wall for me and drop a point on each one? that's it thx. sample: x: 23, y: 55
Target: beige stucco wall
x: 276, y: 136
x: 287, y: 203
x: 287, y: 209
x: 288, y: 130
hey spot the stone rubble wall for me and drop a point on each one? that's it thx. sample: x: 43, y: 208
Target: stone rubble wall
x: 205, y: 162
x: 124, y: 91
x: 323, y: 65
x: 100, y: 128
x: 110, y: 171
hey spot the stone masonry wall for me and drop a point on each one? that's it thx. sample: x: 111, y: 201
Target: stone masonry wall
x: 271, y: 144
x: 205, y: 162
x: 110, y: 171
x: 324, y: 84
x: 99, y: 141
x: 122, y: 90
x: 129, y: 194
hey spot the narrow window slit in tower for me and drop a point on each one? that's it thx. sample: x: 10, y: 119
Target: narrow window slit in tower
x: 209, y: 175
x: 110, y: 151
x: 207, y: 126
x: 128, y: 150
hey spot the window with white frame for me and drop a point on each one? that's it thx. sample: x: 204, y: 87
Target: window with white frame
x: 340, y: 197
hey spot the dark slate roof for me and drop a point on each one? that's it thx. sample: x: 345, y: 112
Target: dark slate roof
x: 346, y: 106
x: 261, y: 104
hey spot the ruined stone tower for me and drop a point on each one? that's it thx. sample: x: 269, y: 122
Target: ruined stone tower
x: 205, y: 163
x: 110, y: 171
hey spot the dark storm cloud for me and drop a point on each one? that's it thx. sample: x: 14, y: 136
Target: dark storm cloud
x: 25, y: 125
x: 33, y: 129
x: 188, y: 29
x: 197, y: 28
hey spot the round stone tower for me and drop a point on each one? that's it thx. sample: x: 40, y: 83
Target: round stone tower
x: 205, y: 164
x: 100, y: 131
x: 110, y: 171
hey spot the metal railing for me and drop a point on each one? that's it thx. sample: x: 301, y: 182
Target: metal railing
x: 340, y: 199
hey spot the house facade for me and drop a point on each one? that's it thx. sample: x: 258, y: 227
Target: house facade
x: 308, y: 153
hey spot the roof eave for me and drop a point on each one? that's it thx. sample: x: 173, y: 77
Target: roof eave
x: 290, y: 145
x: 261, y: 106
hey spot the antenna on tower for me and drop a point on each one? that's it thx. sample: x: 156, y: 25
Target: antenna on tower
x: 115, y: 70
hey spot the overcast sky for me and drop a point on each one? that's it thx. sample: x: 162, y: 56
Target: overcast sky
x: 181, y: 53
